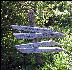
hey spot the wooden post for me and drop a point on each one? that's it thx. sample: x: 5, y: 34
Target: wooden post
x: 32, y: 24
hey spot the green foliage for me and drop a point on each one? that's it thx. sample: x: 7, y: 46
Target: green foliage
x: 16, y: 13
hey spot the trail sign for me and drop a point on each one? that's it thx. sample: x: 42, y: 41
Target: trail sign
x: 32, y: 35
x: 36, y: 47
x: 37, y: 29
x: 40, y: 49
x: 37, y: 32
x: 38, y: 44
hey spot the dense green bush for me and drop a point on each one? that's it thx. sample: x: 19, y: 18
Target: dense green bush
x: 53, y: 14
